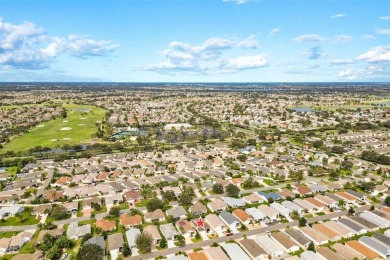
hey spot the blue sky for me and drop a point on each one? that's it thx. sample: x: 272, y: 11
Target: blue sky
x: 195, y: 40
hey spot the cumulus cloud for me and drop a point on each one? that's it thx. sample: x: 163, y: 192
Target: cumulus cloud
x: 351, y: 74
x: 337, y: 16
x: 27, y: 46
x: 181, y: 57
x: 340, y: 62
x: 275, y: 31
x: 239, y: 2
x: 249, y: 43
x: 309, y: 38
x: 383, y: 31
x: 368, y: 37
x: 376, y: 55
x: 247, y: 62
x: 385, y: 18
x: 342, y: 38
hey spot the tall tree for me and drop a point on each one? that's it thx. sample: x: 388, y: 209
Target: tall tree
x: 90, y: 252
x: 144, y: 242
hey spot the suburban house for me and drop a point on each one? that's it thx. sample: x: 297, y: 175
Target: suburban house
x: 234, y: 251
x: 153, y: 231
x: 255, y: 214
x: 287, y: 244
x: 185, y: 227
x: 105, y: 225
x: 157, y: 215
x: 10, y: 211
x: 270, y: 245
x: 113, y: 200
x: 130, y: 221
x: 169, y: 231
x: 230, y: 220
x: 131, y: 234
x: 197, y: 209
x: 115, y: 244
x: 133, y: 197
x: 217, y: 205
x: 177, y: 213
x: 234, y: 203
x: 215, y: 224
x: 241, y: 215
x: 76, y: 232
x: 253, y: 249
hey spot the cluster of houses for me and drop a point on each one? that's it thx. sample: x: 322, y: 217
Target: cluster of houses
x: 332, y: 239
x: 26, y: 117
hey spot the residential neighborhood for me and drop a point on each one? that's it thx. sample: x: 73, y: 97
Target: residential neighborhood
x: 200, y: 176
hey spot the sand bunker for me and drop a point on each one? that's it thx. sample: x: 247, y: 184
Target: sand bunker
x: 65, y: 121
x: 82, y: 124
x: 83, y: 118
x: 67, y: 138
x: 53, y: 140
x: 66, y: 128
x: 40, y: 125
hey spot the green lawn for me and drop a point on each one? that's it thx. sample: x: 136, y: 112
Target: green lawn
x: 11, y: 170
x: 8, y: 234
x: 268, y: 182
x: 8, y: 256
x: 50, y: 134
x: 14, y: 221
x: 123, y: 205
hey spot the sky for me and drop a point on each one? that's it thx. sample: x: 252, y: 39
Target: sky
x: 195, y: 40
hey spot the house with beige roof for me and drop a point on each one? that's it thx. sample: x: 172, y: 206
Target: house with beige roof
x: 153, y: 231
x: 157, y: 215
x: 197, y: 209
x: 215, y: 224
x: 317, y: 237
x: 115, y: 244
x: 217, y: 205
x: 216, y: 253
x: 253, y: 249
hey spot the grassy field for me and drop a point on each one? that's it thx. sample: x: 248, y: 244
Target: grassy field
x: 77, y: 128
x: 14, y: 221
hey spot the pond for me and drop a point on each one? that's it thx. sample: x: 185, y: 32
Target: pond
x: 302, y: 109
x: 81, y: 109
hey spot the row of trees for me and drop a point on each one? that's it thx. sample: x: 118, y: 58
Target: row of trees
x: 376, y: 157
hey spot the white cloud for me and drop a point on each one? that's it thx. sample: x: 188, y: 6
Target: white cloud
x: 82, y: 47
x: 342, y: 38
x: 275, y: 31
x: 368, y: 37
x: 371, y: 70
x: 385, y: 18
x: 340, y: 62
x: 383, y: 31
x: 376, y: 54
x: 337, y: 16
x: 249, y: 43
x: 27, y: 46
x: 247, y: 62
x: 351, y: 74
x: 309, y: 38
x: 184, y: 58
x: 239, y: 2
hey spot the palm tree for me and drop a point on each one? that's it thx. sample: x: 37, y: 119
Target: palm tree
x: 341, y: 203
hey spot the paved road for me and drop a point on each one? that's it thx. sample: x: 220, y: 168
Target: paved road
x: 252, y: 232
